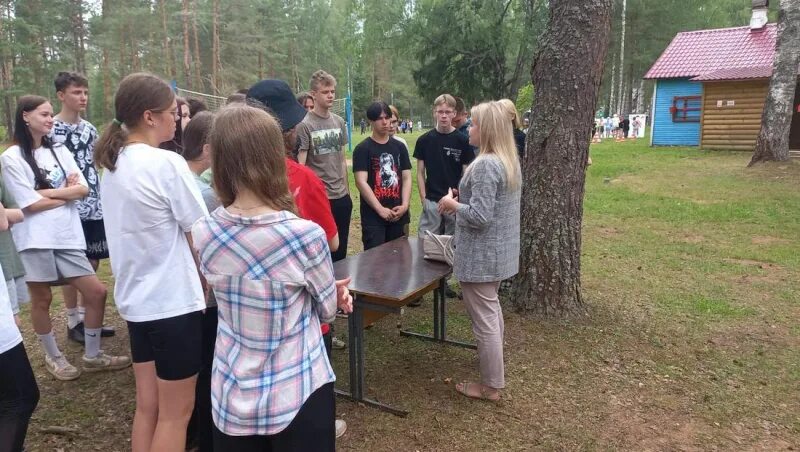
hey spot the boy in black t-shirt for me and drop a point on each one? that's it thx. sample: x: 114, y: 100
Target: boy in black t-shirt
x: 442, y: 154
x: 382, y: 172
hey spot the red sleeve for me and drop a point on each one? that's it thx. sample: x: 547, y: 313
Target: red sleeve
x: 312, y: 202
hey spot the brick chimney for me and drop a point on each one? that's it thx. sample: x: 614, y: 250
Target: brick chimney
x: 759, y: 18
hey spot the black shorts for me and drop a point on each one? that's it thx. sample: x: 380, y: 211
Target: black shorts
x: 175, y: 344
x: 95, y: 233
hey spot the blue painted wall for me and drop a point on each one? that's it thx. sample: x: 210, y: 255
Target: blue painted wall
x: 666, y: 132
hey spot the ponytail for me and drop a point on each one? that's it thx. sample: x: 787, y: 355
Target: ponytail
x: 109, y: 145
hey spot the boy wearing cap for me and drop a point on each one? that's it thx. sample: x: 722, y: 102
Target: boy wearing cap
x: 322, y: 136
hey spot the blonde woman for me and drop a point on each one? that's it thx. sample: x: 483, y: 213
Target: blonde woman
x: 487, y: 238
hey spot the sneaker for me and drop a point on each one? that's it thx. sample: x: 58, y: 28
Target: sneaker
x: 103, y: 362
x: 61, y: 368
x: 415, y: 303
x: 76, y: 334
x: 107, y: 331
x: 341, y: 427
x: 338, y: 344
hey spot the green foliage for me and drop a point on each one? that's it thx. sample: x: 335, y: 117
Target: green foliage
x: 476, y: 50
x: 525, y: 98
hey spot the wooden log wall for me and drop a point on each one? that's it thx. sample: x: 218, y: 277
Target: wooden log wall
x: 732, y: 126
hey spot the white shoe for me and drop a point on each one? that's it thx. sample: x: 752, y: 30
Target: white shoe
x: 341, y: 427
x: 338, y: 344
x: 61, y: 368
x: 103, y: 362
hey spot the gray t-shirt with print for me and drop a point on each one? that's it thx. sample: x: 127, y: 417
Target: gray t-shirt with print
x: 324, y: 140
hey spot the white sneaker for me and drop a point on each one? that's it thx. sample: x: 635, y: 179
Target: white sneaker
x: 341, y: 427
x: 338, y: 344
x: 103, y: 362
x: 61, y: 368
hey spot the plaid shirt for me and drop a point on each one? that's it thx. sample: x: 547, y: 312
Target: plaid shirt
x: 273, y: 279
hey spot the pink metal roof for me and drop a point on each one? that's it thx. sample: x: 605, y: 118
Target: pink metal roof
x: 738, y: 73
x: 743, y: 52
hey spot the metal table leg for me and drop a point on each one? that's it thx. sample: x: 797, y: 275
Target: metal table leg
x: 439, y: 320
x: 357, y: 360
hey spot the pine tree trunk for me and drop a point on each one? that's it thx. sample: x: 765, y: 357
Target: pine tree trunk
x: 197, y: 72
x: 187, y: 51
x: 621, y: 95
x: 105, y: 62
x: 612, y: 101
x: 168, y: 66
x: 567, y: 75
x: 79, y: 34
x: 776, y: 121
x: 215, y: 48
x: 7, y: 72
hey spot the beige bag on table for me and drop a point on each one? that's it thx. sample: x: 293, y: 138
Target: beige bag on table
x: 438, y: 248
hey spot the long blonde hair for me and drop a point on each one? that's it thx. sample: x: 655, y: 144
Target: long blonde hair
x: 497, y: 137
x: 513, y: 114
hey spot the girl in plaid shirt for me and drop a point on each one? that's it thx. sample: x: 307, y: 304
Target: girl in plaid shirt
x: 271, y: 272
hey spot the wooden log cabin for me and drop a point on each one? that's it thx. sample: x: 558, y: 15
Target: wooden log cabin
x: 711, y: 86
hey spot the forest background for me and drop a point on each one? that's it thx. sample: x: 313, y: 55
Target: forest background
x: 400, y: 51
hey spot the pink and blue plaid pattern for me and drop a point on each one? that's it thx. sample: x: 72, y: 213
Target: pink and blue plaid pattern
x: 273, y: 279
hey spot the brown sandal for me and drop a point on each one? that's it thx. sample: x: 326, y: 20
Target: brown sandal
x: 482, y: 394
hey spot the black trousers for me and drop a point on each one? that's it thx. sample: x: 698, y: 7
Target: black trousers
x: 311, y: 430
x: 200, y: 428
x: 19, y: 396
x: 342, y: 210
x: 374, y: 235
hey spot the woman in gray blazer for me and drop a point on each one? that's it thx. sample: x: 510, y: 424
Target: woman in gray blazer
x: 487, y: 238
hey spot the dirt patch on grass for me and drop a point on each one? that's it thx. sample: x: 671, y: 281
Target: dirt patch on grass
x: 754, y: 263
x: 768, y: 240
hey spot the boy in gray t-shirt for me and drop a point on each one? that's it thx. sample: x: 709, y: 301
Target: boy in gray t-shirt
x: 321, y: 137
x: 322, y: 141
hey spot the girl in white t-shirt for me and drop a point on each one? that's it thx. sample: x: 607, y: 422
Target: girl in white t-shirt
x: 20, y: 394
x: 150, y: 202
x: 45, y: 181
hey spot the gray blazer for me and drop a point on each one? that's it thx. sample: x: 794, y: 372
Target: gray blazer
x: 487, y: 224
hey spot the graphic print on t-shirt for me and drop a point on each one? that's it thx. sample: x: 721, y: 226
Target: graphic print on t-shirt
x: 455, y: 154
x: 80, y: 139
x: 54, y: 175
x: 387, y: 182
x: 326, y: 141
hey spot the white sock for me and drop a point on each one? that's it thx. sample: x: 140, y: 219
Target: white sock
x: 81, y: 312
x: 92, y: 337
x: 73, y: 318
x: 48, y: 342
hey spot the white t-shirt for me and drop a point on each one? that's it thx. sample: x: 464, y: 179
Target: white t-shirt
x: 52, y: 229
x: 9, y: 333
x: 149, y: 202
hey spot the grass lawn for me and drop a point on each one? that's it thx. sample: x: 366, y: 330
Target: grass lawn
x: 690, y: 270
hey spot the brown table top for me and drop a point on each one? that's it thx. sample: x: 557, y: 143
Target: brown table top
x: 394, y: 271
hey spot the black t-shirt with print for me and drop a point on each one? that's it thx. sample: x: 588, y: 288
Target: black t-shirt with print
x: 444, y: 156
x: 384, y: 165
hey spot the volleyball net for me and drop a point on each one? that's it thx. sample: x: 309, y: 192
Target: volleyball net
x: 342, y: 107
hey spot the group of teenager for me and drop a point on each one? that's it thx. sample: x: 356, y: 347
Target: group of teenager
x: 221, y: 230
